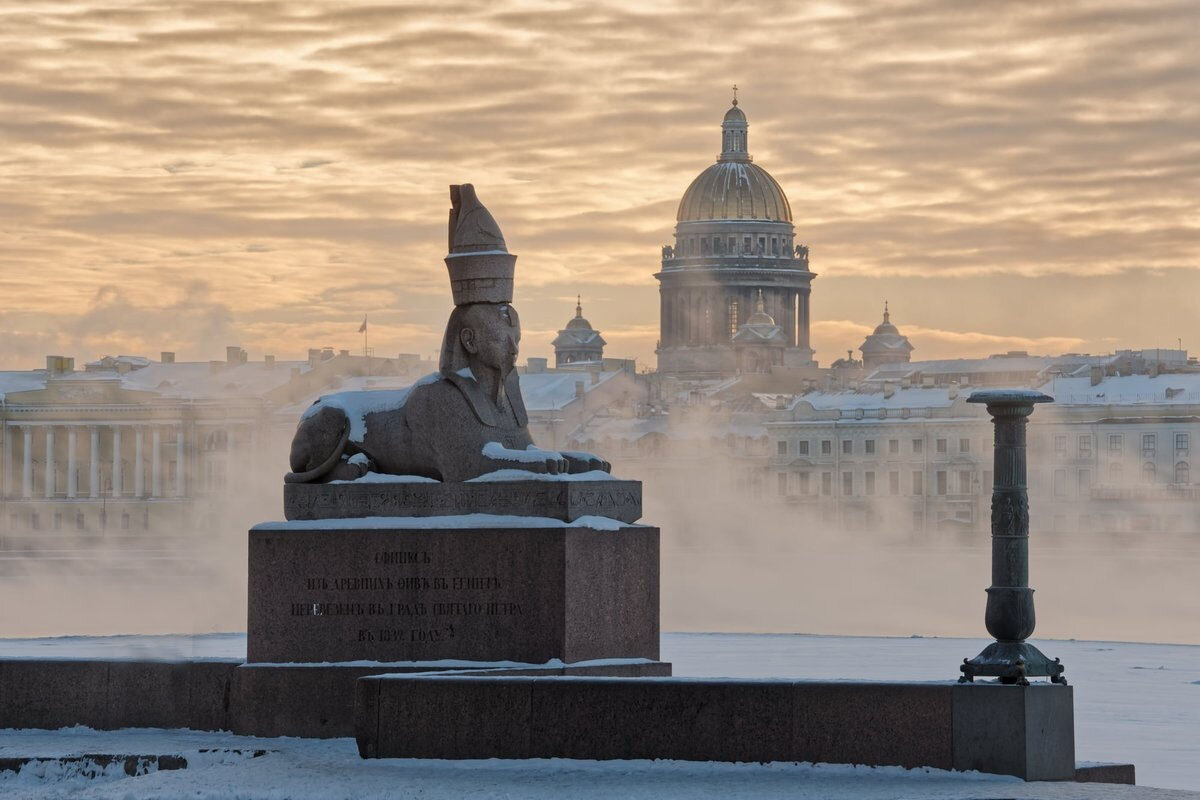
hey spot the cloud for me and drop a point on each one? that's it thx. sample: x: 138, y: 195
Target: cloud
x: 917, y: 141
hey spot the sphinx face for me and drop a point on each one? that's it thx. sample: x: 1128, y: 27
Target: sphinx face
x: 495, y: 336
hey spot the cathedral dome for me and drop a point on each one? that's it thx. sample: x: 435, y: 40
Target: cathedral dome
x: 734, y: 187
x: 734, y: 190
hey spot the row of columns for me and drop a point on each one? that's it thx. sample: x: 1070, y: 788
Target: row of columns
x: 50, y: 465
x: 701, y: 316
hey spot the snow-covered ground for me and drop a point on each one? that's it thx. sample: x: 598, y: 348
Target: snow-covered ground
x: 1133, y: 702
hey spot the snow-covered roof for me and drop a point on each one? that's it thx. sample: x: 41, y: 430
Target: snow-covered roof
x: 23, y: 381
x: 1166, y: 389
x: 1001, y: 364
x: 199, y: 380
x: 547, y: 391
x: 915, y: 397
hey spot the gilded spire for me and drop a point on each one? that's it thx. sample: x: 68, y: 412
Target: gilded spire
x: 886, y: 316
x: 578, y: 306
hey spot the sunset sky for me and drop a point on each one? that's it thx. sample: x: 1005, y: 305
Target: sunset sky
x: 186, y: 175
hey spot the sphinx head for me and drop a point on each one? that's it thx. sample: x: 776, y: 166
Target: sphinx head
x: 482, y: 336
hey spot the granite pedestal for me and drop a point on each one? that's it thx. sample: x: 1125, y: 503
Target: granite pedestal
x: 394, y: 590
x: 562, y: 497
x: 1026, y: 731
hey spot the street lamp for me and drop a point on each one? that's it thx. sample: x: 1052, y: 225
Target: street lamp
x: 1009, y: 616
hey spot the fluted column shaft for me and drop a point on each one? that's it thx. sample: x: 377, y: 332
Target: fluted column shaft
x: 27, y: 462
x: 179, y: 463
x: 155, y: 461
x: 72, y: 478
x: 50, y: 466
x: 139, y: 463
x: 94, y: 462
x: 8, y: 461
x: 117, y: 467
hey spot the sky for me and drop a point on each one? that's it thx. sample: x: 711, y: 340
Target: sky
x: 186, y: 175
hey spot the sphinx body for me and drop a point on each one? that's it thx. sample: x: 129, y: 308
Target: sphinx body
x: 443, y: 427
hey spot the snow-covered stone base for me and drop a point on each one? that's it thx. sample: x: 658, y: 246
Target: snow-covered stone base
x: 291, y: 769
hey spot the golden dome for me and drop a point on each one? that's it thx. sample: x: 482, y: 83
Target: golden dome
x: 734, y: 190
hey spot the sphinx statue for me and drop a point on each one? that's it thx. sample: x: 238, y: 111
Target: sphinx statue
x: 465, y: 420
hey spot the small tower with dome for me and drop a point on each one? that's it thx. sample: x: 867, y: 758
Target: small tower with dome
x: 886, y: 345
x: 734, y: 253
x: 578, y: 344
x: 759, y: 342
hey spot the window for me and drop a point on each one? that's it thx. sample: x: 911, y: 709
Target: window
x: 802, y: 447
x: 57, y: 520
x: 746, y: 245
x: 804, y: 488
x: 847, y: 484
x: 964, y: 482
x: 35, y: 521
x: 826, y: 483
x: 1060, y: 483
x: 893, y: 447
x: 781, y: 447
x: 781, y: 483
x: 869, y: 483
x: 1149, y: 445
x: 1083, y: 485
x: 1181, y: 442
x: 1060, y: 445
x: 1183, y: 474
x: 869, y: 445
x: 847, y: 447
x: 893, y: 483
x: 1114, y: 443
x: 918, y: 445
x: 918, y: 483
x: 964, y: 445
x: 79, y: 521
x: 762, y: 245
x: 941, y: 445
x: 1148, y: 471
x: 124, y: 520
x: 1085, y: 446
x: 826, y: 447
x: 941, y: 482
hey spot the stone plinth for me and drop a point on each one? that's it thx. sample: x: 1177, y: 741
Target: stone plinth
x: 564, y: 498
x: 1026, y: 731
x: 475, y: 588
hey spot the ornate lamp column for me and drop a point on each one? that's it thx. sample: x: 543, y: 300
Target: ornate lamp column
x: 1009, y: 616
